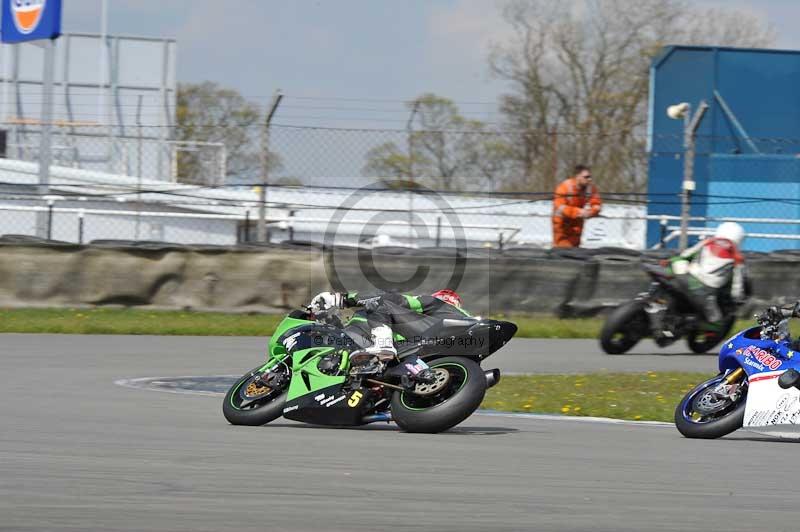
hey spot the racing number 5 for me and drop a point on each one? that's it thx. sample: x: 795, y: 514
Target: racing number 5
x: 355, y: 399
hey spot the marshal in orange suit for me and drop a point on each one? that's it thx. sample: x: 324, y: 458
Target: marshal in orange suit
x: 576, y: 199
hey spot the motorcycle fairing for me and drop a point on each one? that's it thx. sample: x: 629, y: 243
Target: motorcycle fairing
x: 329, y: 406
x: 769, y: 405
x: 764, y: 361
x: 307, y: 379
x: 477, y: 341
x: 748, y: 351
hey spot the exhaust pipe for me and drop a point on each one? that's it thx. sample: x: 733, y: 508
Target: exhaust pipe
x: 372, y: 418
x: 492, y: 377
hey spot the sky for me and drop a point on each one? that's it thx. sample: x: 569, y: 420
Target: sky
x: 365, y: 56
x: 356, y: 50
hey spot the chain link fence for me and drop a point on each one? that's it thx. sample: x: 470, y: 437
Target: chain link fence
x: 395, y: 187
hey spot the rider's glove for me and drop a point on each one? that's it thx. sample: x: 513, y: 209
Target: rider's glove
x: 325, y: 301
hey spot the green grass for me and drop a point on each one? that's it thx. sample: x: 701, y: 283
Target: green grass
x: 135, y: 321
x: 650, y: 396
x: 139, y: 321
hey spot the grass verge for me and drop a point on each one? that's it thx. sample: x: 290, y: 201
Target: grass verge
x: 650, y: 396
x: 135, y: 321
x: 141, y: 321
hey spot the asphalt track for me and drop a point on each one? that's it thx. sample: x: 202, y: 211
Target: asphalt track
x: 79, y: 453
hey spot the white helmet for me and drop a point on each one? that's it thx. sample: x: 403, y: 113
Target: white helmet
x: 730, y: 231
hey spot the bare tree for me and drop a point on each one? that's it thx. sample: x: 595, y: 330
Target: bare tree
x: 579, y: 74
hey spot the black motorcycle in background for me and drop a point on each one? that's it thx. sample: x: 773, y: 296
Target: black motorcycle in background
x: 665, y: 314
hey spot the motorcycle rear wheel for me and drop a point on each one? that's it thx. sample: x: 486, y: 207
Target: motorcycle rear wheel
x: 708, y: 425
x: 701, y: 341
x: 249, y: 404
x: 457, y: 393
x: 624, y: 327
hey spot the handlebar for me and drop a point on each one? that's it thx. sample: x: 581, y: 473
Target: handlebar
x: 328, y: 316
x: 776, y: 314
x: 774, y: 321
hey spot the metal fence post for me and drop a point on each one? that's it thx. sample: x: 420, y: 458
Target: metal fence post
x: 45, y: 151
x: 50, y: 202
x: 81, y: 213
x: 265, y: 162
x: 410, y: 139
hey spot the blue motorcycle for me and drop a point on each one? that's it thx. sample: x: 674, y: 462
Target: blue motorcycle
x: 758, y: 386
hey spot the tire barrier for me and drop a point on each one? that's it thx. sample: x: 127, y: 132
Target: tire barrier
x: 169, y: 277
x: 276, y: 278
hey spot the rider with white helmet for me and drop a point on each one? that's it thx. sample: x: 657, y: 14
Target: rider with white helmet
x: 711, y: 266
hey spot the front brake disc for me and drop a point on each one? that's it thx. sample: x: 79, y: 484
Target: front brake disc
x: 254, y: 391
x: 711, y: 402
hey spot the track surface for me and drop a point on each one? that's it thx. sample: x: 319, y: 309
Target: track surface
x: 80, y: 453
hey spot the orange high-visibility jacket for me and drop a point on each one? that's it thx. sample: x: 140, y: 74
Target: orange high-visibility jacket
x: 568, y: 202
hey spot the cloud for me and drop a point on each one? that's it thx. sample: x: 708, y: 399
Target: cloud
x: 462, y: 34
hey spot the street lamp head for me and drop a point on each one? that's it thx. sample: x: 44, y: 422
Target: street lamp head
x: 678, y: 111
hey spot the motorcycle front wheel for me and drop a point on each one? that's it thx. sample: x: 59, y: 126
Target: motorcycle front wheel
x: 249, y: 402
x: 457, y: 391
x: 624, y: 327
x: 704, y: 413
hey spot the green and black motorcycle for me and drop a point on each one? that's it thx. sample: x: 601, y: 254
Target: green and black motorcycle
x: 314, y: 373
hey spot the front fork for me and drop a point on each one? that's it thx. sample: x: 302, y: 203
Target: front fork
x: 734, y: 376
x: 268, y: 375
x: 731, y: 385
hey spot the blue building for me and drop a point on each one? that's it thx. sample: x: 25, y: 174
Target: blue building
x: 747, y: 161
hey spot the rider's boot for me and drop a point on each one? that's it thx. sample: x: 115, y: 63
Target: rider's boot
x: 371, y: 359
x: 383, y: 344
x: 712, y: 312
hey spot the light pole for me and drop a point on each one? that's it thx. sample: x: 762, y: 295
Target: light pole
x: 412, y: 184
x: 690, y: 125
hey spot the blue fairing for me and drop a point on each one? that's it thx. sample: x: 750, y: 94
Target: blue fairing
x: 747, y: 350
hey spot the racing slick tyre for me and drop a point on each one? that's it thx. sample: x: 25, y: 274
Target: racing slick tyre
x: 457, y: 391
x: 700, y: 341
x: 624, y: 327
x: 703, y: 414
x: 250, y: 403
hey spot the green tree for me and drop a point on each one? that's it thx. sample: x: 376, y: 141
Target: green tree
x: 208, y: 113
